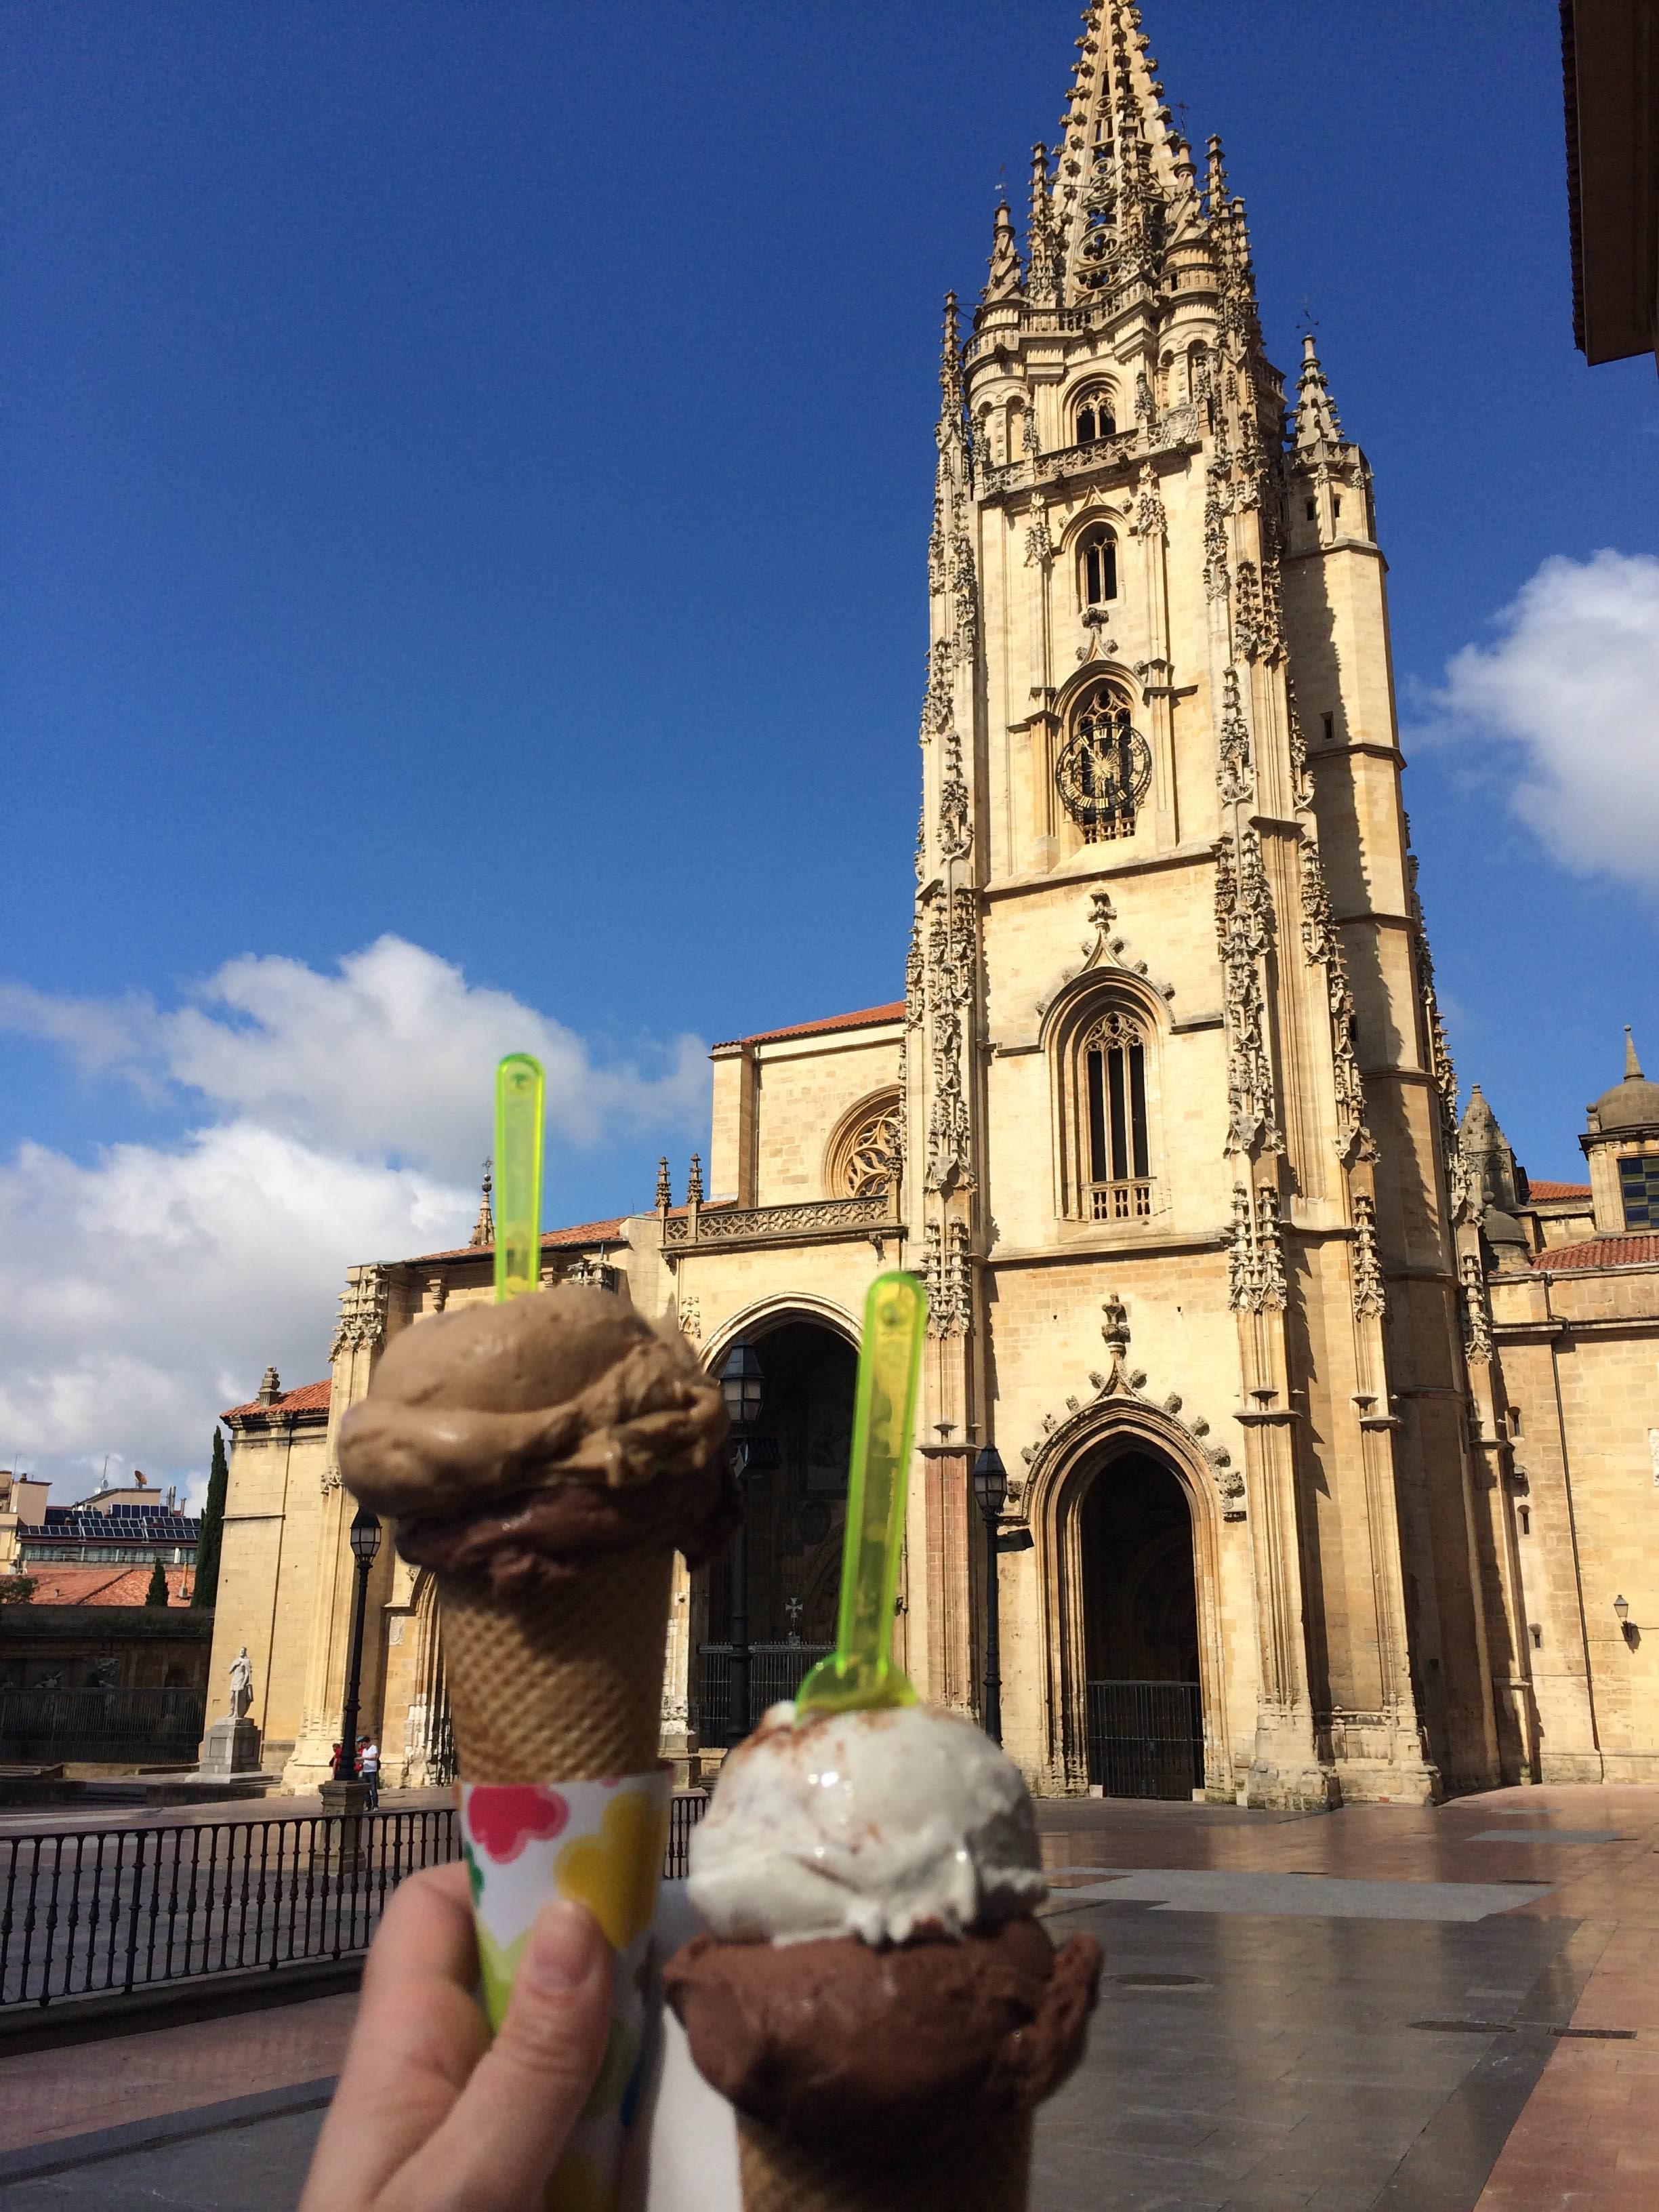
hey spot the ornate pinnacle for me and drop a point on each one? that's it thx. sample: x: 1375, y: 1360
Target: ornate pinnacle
x: 1005, y: 277
x: 1216, y: 178
x: 665, y: 1189
x: 1316, y: 422
x: 950, y: 367
x: 694, y: 1181
x: 484, y: 1229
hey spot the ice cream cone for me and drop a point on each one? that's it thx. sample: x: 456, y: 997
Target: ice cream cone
x: 565, y: 1684
x: 984, y: 2166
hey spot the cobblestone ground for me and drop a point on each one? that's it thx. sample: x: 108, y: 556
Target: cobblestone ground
x: 1359, y: 2010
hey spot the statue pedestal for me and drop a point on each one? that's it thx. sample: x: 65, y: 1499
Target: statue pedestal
x: 231, y: 1746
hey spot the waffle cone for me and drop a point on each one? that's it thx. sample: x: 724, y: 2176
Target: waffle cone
x: 568, y: 1686
x: 985, y: 2166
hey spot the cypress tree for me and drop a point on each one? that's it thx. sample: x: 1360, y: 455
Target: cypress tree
x: 206, y: 1587
x: 157, y: 1592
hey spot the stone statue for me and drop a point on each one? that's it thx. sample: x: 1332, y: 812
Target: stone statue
x: 241, y: 1685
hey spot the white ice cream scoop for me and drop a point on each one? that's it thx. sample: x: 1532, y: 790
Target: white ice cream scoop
x: 869, y: 1824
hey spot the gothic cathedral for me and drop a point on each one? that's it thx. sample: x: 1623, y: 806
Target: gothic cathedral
x: 1165, y: 1120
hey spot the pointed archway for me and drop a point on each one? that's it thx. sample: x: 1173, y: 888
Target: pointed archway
x: 1143, y: 1726
x: 1112, y: 1579
x: 796, y: 1515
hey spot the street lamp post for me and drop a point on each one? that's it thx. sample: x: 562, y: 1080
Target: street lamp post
x: 365, y: 1543
x: 742, y: 1386
x: 991, y: 1494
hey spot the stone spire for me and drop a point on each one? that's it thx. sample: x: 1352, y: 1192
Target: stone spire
x: 1318, y: 432
x: 1006, y: 279
x: 1633, y: 1065
x: 1124, y: 190
x: 950, y: 368
x: 484, y: 1229
x: 1042, y: 242
x: 1488, y: 1155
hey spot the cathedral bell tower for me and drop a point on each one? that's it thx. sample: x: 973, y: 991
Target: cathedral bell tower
x: 1172, y: 1054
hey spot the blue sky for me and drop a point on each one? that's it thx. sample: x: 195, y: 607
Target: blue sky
x: 467, y: 477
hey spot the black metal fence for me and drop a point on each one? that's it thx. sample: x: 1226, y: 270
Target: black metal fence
x: 108, y: 1911
x: 776, y: 1671
x: 146, y: 1727
x: 1146, y: 1739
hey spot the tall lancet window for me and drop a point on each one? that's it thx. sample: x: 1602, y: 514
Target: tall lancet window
x: 1097, y: 566
x: 1114, y: 1090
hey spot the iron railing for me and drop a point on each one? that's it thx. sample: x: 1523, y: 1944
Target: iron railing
x: 1146, y: 1739
x: 154, y: 1727
x: 776, y: 1671
x: 110, y: 1912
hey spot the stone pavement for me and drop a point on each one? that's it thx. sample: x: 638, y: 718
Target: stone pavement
x: 1357, y: 2010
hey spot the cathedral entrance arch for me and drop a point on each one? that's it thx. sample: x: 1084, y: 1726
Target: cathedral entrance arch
x: 795, y: 1510
x: 1124, y: 1514
x: 1143, y: 1721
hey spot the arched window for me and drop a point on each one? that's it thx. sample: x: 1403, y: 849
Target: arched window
x: 1105, y: 765
x: 1094, y: 416
x: 864, y: 1153
x: 1114, y: 1054
x: 1097, y: 566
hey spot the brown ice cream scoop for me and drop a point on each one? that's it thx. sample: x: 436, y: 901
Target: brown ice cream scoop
x: 511, y: 1441
x: 840, y: 2044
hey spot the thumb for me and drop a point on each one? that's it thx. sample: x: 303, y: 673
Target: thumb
x: 506, y: 2130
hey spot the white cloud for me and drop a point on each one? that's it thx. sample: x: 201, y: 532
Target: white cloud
x: 1573, y: 685
x: 142, y: 1292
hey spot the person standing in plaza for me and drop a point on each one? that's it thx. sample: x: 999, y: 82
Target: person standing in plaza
x: 368, y: 1768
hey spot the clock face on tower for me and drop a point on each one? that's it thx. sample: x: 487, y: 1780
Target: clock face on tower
x: 1105, y: 765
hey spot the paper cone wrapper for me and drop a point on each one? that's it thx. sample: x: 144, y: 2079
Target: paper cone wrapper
x: 557, y: 1711
x: 983, y: 2165
x: 600, y: 1843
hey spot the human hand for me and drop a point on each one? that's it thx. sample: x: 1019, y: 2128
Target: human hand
x: 432, y: 2116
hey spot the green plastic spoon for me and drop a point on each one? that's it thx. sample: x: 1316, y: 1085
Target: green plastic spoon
x: 520, y: 1086
x: 860, y: 1672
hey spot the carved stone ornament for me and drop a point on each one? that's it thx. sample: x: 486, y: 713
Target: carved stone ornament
x: 956, y: 832
x: 951, y: 952
x: 1039, y: 541
x: 1370, y: 1296
x: 1477, y: 1312
x: 1321, y: 943
x: 1256, y: 1281
x: 1244, y: 932
x: 690, y: 1316
x: 1151, y: 519
x: 1235, y: 769
x: 1465, y: 1199
x: 363, y: 1312
x: 1120, y: 1382
x: 1247, y: 611
x: 937, y: 712
x: 867, y: 1157
x: 945, y: 1274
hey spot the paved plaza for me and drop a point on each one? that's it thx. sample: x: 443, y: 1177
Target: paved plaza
x: 1411, y: 2010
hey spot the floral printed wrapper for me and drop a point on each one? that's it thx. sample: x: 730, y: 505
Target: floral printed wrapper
x: 602, y: 1844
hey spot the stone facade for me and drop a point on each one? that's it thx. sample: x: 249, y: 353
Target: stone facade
x: 1166, y: 1118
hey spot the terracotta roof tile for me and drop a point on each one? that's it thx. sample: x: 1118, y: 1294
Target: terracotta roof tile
x: 587, y: 1232
x: 1545, y: 1191
x: 309, y: 1398
x: 866, y: 1017
x: 1637, y: 1251
x: 60, y: 1582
